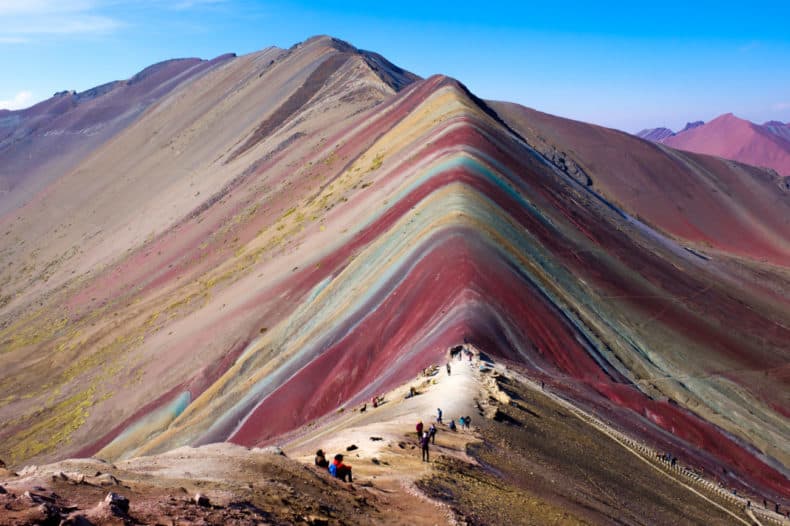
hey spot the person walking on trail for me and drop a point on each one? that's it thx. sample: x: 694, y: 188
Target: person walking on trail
x: 448, y: 368
x: 452, y: 425
x: 467, y: 422
x: 425, y: 443
x: 419, y: 428
x: 432, y: 433
x: 340, y: 470
x: 439, y: 414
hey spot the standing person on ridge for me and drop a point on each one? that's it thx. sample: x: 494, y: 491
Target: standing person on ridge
x: 432, y: 433
x: 419, y: 428
x: 424, y: 442
x: 448, y: 368
x: 439, y: 414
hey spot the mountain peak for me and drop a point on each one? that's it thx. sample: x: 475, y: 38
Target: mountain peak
x: 328, y: 41
x: 692, y: 125
x: 728, y: 117
x: 655, y: 134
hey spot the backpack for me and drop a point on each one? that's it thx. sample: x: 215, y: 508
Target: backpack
x: 333, y: 469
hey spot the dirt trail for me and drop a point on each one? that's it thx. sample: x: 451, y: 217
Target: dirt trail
x: 387, y: 458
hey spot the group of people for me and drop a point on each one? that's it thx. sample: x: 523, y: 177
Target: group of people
x: 426, y: 437
x: 464, y: 421
x: 377, y: 400
x: 336, y: 468
x: 669, y: 458
x: 460, y: 351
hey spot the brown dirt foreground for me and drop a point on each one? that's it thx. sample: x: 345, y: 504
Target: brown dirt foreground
x: 243, y: 486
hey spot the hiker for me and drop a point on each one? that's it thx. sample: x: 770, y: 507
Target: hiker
x: 339, y: 470
x: 452, y: 425
x: 439, y: 414
x: 375, y: 401
x: 432, y: 433
x: 320, y: 459
x: 363, y: 408
x: 448, y: 368
x: 467, y: 422
x: 424, y: 442
x: 542, y: 385
x: 419, y: 428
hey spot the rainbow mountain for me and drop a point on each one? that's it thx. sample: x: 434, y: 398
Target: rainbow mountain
x: 230, y: 250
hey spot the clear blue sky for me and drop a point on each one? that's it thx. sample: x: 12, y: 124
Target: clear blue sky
x: 627, y: 65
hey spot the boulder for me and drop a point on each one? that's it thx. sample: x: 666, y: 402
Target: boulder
x: 106, y: 479
x: 118, y: 504
x: 49, y: 513
x: 76, y: 520
x: 270, y: 450
x: 202, y: 500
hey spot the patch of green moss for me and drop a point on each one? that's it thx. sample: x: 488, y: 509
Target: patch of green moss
x: 52, y: 427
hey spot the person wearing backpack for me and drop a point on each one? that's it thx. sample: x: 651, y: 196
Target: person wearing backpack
x: 432, y: 433
x: 340, y: 470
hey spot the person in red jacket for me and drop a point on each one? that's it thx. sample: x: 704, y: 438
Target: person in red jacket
x: 341, y: 471
x: 419, y: 430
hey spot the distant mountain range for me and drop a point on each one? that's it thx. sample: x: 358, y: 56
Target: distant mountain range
x: 766, y: 145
